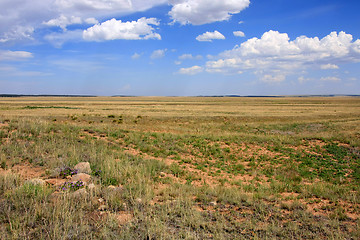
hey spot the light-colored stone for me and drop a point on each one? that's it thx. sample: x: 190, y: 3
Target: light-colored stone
x: 85, y: 178
x: 36, y: 181
x: 102, y: 208
x: 213, y: 203
x: 101, y: 200
x: 55, y: 181
x: 162, y: 174
x: 115, y: 189
x: 138, y: 200
x: 83, y: 167
x: 55, y: 196
x: 124, y: 205
x: 91, y: 187
x: 80, y: 193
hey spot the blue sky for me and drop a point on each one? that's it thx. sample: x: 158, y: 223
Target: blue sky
x: 179, y: 47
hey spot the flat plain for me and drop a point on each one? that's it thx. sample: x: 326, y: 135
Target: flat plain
x: 180, y: 168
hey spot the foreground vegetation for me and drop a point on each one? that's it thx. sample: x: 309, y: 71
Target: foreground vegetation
x: 182, y: 168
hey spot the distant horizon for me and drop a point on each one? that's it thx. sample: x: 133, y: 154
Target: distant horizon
x: 180, y: 48
x: 230, y: 95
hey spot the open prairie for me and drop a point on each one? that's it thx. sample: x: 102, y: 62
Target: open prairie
x: 180, y: 168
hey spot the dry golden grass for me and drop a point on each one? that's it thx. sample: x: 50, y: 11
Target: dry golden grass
x: 203, y: 168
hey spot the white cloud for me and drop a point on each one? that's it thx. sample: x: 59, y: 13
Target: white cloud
x: 239, y: 34
x: 302, y: 79
x: 189, y: 56
x: 209, y: 36
x: 15, y: 55
x: 58, y: 39
x: 19, y: 19
x: 198, y: 12
x: 88, y: 5
x: 268, y: 78
x: 116, y: 29
x: 160, y: 53
x: 191, y: 71
x: 91, y: 20
x: 330, y: 79
x: 136, y: 56
x: 17, y: 33
x: 275, y: 52
x: 329, y: 66
x: 103, y: 8
x: 64, y: 21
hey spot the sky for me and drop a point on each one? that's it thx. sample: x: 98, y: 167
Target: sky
x: 180, y: 47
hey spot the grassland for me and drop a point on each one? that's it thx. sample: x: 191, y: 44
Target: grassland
x: 188, y: 168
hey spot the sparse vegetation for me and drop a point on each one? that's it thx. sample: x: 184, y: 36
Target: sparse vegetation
x: 181, y: 168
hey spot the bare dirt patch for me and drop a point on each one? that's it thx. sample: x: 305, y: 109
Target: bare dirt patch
x: 123, y: 217
x: 27, y: 171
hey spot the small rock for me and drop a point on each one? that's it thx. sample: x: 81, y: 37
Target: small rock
x: 83, y: 167
x: 54, y: 197
x: 55, y: 181
x: 80, y: 193
x: 102, y: 208
x: 213, y: 203
x: 55, y: 173
x: 91, y: 187
x: 124, y: 205
x: 138, y: 200
x: 36, y: 181
x: 85, y: 178
x: 162, y: 174
x: 115, y: 189
x: 100, y: 200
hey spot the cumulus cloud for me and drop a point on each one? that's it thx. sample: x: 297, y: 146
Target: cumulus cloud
x: 91, y: 20
x: 17, y: 33
x: 136, y: 56
x: 64, y: 21
x: 19, y: 19
x: 191, y: 70
x: 15, y: 55
x: 189, y: 56
x: 116, y: 29
x: 330, y: 79
x: 160, y: 53
x: 239, y: 34
x: 274, y: 51
x: 329, y: 66
x: 198, y: 12
x: 209, y: 36
x: 270, y: 78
